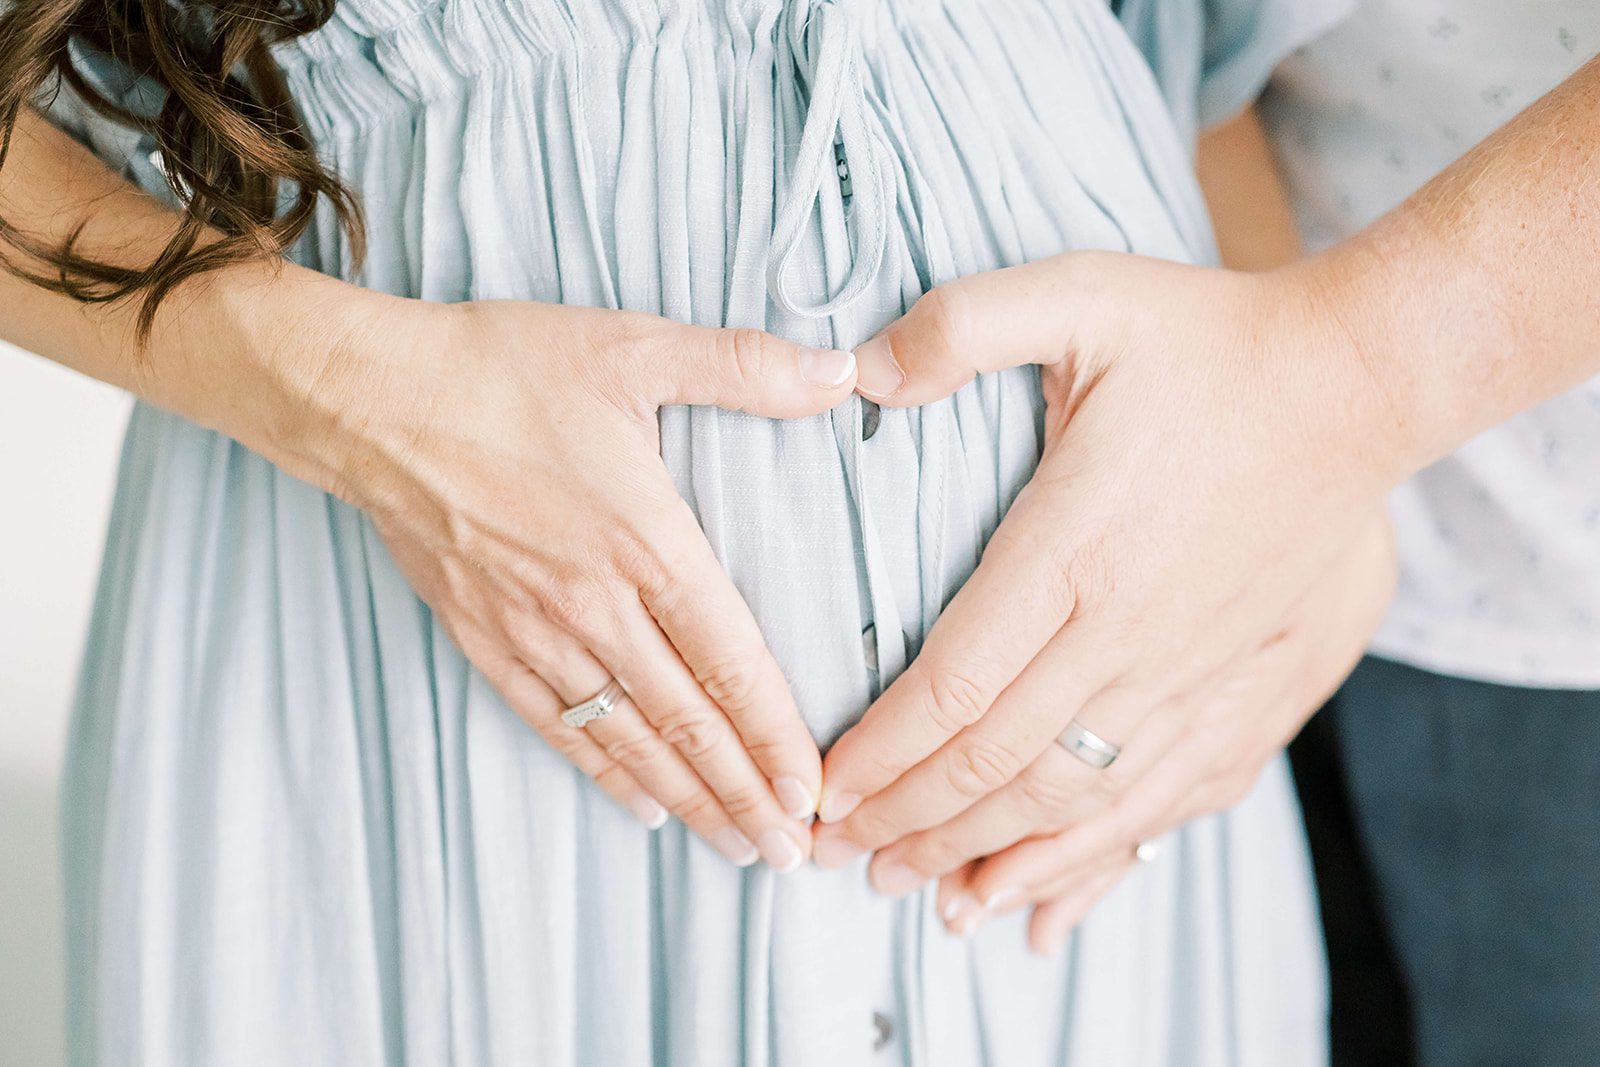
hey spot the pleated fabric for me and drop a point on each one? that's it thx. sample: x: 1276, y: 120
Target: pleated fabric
x: 301, y: 829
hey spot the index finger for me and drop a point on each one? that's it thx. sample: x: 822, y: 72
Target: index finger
x: 993, y: 628
x: 701, y: 612
x: 987, y: 756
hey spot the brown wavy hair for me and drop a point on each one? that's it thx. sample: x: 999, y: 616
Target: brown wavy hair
x: 228, y: 132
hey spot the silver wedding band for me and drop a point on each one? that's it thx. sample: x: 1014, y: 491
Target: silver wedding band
x: 598, y: 706
x: 1090, y: 747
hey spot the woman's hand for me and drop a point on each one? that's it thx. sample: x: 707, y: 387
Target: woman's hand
x: 1195, y: 755
x: 1206, y: 461
x: 507, y: 453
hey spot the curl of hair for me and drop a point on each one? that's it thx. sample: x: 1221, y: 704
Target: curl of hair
x: 228, y: 132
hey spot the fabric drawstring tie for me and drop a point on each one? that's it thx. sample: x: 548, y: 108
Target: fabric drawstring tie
x: 837, y: 107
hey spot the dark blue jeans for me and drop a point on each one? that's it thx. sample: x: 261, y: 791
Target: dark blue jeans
x: 1477, y: 808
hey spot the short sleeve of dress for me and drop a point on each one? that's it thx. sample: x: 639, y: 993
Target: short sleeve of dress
x: 1213, y: 57
x: 126, y: 151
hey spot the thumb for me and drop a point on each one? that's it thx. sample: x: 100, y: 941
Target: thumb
x: 738, y: 369
x: 975, y: 325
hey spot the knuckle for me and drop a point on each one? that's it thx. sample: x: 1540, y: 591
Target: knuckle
x: 1046, y: 792
x: 979, y: 766
x: 879, y: 763
x: 746, y: 353
x: 639, y: 560
x: 694, y: 732
x: 956, y: 700
x: 766, y: 751
x: 634, y: 749
x: 696, y: 809
x: 731, y: 680
x: 1083, y: 571
x: 946, y: 315
x: 740, y: 802
x: 575, y: 606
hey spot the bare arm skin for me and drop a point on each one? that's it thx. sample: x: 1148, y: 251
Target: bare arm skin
x: 239, y: 352
x: 1479, y: 297
x: 422, y: 414
x: 1249, y: 207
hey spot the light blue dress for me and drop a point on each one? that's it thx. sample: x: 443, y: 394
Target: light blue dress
x: 302, y: 830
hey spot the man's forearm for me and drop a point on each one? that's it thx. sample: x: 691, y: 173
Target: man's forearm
x: 1479, y: 297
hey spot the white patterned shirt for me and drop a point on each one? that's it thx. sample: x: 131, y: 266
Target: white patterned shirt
x: 1500, y: 542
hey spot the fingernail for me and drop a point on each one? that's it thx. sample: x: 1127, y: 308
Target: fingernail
x: 968, y: 922
x: 647, y: 811
x: 963, y: 915
x: 735, y: 846
x: 836, y: 806
x: 1001, y: 899
x: 826, y: 367
x: 896, y: 879
x: 835, y: 852
x: 797, y: 801
x: 780, y: 851
x: 880, y: 377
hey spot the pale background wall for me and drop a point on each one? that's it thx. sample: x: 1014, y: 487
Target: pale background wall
x: 59, y: 437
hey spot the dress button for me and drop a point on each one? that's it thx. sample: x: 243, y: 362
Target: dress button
x: 883, y: 1030
x: 871, y: 415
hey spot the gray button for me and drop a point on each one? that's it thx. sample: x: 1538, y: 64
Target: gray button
x: 883, y: 1027
x: 871, y: 415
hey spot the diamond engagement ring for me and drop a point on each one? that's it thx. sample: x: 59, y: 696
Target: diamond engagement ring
x: 596, y: 707
x: 1093, y: 749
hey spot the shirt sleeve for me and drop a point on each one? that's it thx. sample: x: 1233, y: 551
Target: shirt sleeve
x: 1212, y: 58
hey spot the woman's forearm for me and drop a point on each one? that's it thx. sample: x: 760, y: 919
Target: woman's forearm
x: 1249, y: 207
x: 1479, y: 297
x: 261, y: 351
